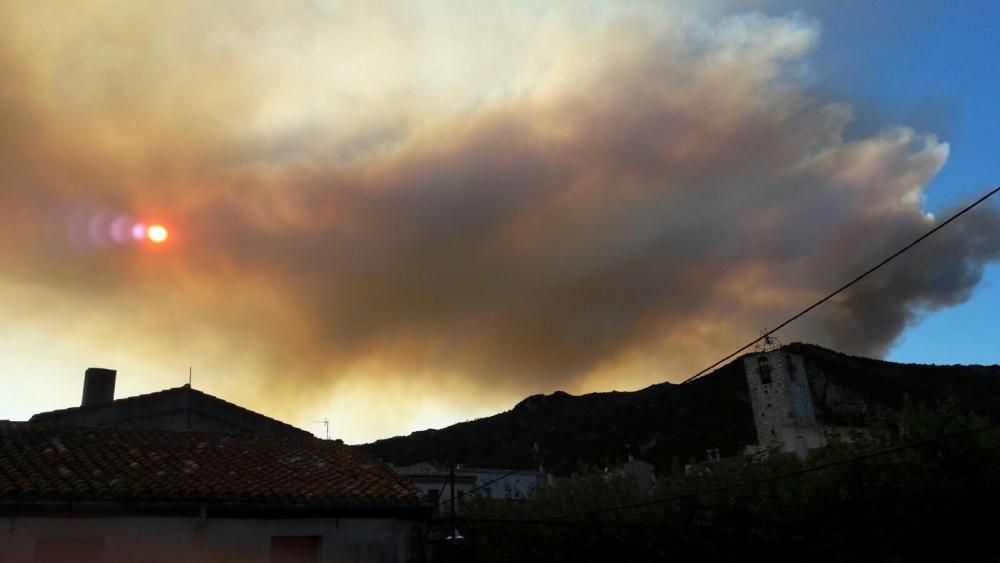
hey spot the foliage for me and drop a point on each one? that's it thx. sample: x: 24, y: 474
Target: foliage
x: 847, y: 502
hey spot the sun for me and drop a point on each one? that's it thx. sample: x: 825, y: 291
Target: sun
x: 156, y: 233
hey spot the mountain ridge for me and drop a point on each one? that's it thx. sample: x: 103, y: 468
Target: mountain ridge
x: 672, y: 424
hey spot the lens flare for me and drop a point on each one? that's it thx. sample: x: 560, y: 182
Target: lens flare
x: 120, y: 229
x: 156, y: 233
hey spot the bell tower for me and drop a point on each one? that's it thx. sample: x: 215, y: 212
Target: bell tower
x: 783, y: 410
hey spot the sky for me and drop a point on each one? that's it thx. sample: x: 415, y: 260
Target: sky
x: 398, y: 216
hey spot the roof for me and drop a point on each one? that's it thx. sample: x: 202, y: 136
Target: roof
x: 45, y: 467
x: 145, y: 411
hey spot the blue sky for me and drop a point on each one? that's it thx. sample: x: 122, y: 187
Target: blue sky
x: 932, y: 66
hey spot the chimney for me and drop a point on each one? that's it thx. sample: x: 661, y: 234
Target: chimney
x: 98, y: 386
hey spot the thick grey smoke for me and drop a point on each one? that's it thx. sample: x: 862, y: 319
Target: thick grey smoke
x: 627, y: 197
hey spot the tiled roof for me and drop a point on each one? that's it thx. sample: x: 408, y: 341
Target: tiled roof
x: 47, y: 464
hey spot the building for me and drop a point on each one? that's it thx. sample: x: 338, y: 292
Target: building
x: 505, y: 483
x: 783, y: 411
x: 642, y: 473
x: 119, y: 495
x: 179, y: 408
x: 434, y: 480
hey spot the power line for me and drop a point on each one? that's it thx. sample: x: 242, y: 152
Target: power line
x: 843, y: 287
x: 767, y: 334
x: 763, y: 336
x: 550, y: 520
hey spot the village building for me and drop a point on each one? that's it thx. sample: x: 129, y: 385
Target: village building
x: 506, y: 483
x: 783, y: 412
x: 180, y: 408
x: 79, y: 494
x: 181, y: 475
x: 434, y: 480
x: 640, y: 472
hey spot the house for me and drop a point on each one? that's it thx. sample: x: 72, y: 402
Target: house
x: 434, y: 479
x: 179, y: 408
x: 642, y: 473
x: 119, y: 495
x: 506, y: 483
x: 491, y: 483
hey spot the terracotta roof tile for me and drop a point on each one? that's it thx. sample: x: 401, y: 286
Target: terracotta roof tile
x: 43, y: 462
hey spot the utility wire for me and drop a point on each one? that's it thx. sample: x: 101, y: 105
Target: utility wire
x: 843, y: 287
x: 767, y: 334
x: 550, y: 520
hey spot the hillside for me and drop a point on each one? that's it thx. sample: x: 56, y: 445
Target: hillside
x: 669, y: 424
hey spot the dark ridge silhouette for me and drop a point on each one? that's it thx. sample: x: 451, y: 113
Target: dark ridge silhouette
x: 669, y: 424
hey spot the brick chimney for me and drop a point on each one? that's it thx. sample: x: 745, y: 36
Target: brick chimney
x: 98, y: 386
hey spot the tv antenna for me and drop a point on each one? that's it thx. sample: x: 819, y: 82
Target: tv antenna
x: 326, y: 426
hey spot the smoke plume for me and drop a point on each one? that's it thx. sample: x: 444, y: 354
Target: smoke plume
x: 446, y: 209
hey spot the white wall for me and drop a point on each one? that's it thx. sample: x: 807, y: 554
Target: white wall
x: 783, y: 409
x: 427, y: 484
x: 518, y: 485
x: 177, y: 539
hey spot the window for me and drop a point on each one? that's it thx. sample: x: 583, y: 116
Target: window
x: 69, y: 550
x: 791, y: 366
x: 433, y: 492
x: 764, y: 367
x: 295, y: 549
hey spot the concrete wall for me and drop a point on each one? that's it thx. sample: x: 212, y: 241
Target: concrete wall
x: 518, y: 485
x: 503, y: 484
x: 642, y: 472
x: 156, y: 539
x: 433, y: 485
x: 799, y: 394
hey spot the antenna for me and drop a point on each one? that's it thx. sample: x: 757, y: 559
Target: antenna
x: 189, y: 376
x: 326, y: 425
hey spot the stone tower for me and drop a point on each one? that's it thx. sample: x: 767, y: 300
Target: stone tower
x: 782, y: 402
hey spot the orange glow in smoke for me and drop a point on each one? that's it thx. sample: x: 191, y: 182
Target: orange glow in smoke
x: 156, y: 233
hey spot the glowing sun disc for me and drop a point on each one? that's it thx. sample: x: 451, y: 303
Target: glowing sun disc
x: 156, y: 233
